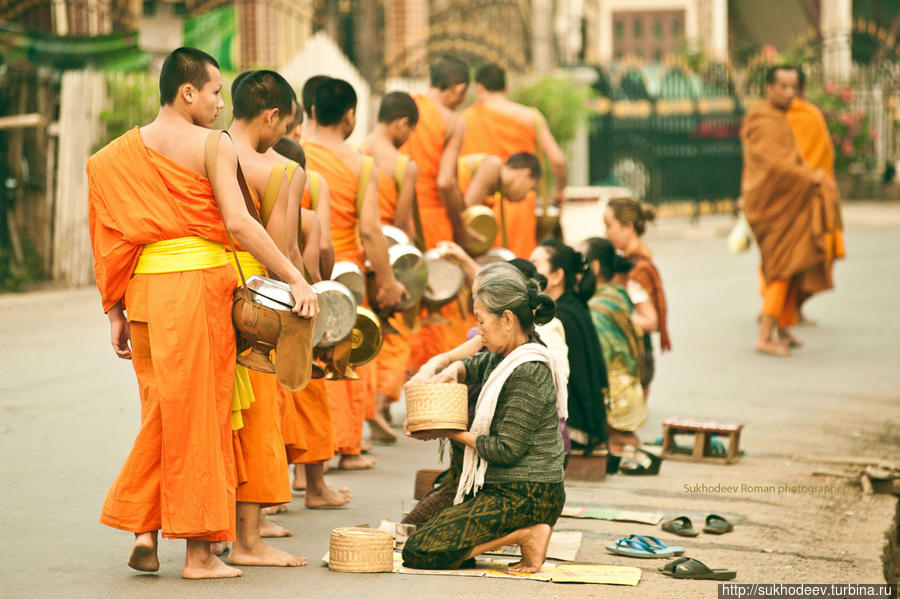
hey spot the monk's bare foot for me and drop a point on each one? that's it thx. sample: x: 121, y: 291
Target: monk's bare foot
x: 365, y: 447
x: 386, y: 414
x: 143, y: 554
x: 786, y: 338
x: 262, y: 554
x: 380, y: 431
x: 270, y: 530
x: 210, y: 568
x: 534, y: 549
x: 803, y: 321
x: 772, y: 348
x: 355, y: 462
x: 218, y: 548
x: 274, y: 509
x: 327, y: 498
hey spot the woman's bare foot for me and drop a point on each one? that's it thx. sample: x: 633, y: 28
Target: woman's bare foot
x: 773, y: 349
x: 274, y: 509
x: 534, y: 549
x: 269, y: 530
x: 355, y: 462
x: 201, y: 563
x: 218, y: 548
x: 143, y: 554
x: 328, y: 497
x: 262, y: 554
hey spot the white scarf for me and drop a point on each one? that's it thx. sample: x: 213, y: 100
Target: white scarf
x: 474, y: 466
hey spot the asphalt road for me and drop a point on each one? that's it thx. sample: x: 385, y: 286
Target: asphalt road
x: 70, y: 412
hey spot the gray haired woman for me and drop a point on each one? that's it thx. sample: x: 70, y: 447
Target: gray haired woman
x: 511, y: 489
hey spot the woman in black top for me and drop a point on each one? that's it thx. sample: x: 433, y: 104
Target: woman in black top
x: 571, y: 285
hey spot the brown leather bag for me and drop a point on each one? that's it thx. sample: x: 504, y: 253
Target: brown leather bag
x: 261, y: 328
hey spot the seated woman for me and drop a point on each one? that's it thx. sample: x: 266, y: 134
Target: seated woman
x: 561, y: 266
x: 510, y: 489
x: 622, y: 342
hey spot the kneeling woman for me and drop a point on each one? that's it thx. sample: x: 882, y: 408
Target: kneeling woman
x: 510, y: 490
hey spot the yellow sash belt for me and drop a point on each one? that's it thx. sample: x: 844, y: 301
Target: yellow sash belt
x: 179, y: 255
x: 242, y: 393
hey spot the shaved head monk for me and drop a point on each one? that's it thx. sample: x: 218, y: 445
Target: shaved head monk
x: 158, y: 231
x: 482, y: 176
x: 435, y: 148
x: 397, y: 174
x: 356, y: 231
x: 498, y: 126
x: 787, y: 205
x: 264, y: 106
x: 308, y: 98
x: 814, y: 144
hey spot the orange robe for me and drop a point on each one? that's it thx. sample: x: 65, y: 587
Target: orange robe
x: 814, y: 144
x: 260, y: 442
x: 393, y: 357
x: 492, y: 132
x: 350, y: 401
x: 787, y: 212
x: 425, y: 146
x: 305, y: 415
x: 180, y: 475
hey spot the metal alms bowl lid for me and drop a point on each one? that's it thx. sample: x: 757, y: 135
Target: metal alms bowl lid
x: 367, y: 337
x: 410, y: 270
x: 337, y: 313
x: 482, y: 220
x: 271, y: 293
x: 445, y: 279
x: 351, y: 276
x: 394, y: 235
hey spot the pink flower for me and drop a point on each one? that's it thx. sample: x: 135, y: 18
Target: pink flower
x: 846, y: 118
x: 830, y: 87
x: 847, y: 148
x: 846, y: 95
x: 769, y: 52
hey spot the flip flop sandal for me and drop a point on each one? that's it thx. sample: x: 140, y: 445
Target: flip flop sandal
x: 717, y: 525
x: 643, y: 463
x: 694, y: 570
x: 630, y: 547
x: 670, y: 565
x: 680, y: 526
x: 657, y: 545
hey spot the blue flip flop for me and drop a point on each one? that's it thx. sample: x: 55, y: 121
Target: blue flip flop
x: 658, y: 545
x: 632, y: 547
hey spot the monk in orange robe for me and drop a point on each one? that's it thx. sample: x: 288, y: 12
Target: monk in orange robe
x: 264, y: 105
x: 435, y: 147
x: 498, y: 126
x: 357, y: 235
x: 814, y: 144
x: 158, y: 238
x: 787, y: 205
x: 305, y: 417
x: 397, y: 174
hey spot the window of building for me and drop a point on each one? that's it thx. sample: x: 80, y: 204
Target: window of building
x: 657, y: 28
x: 638, y: 28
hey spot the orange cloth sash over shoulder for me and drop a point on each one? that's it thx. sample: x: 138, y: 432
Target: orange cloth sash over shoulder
x: 493, y: 132
x: 814, y: 144
x: 787, y: 211
x: 348, y: 400
x: 425, y: 146
x: 183, y: 347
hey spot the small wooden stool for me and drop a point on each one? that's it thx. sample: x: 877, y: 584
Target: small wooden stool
x: 702, y: 431
x: 590, y: 467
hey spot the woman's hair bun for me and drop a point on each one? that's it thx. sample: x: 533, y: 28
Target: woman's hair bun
x: 621, y: 264
x: 648, y: 211
x: 545, y: 309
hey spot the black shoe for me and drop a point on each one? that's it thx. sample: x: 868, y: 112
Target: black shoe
x: 644, y: 462
x: 612, y: 463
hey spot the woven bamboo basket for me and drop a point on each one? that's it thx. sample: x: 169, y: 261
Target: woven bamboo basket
x: 425, y: 482
x: 361, y: 550
x: 437, y: 405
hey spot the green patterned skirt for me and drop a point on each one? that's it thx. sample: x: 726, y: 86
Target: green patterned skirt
x: 497, y: 510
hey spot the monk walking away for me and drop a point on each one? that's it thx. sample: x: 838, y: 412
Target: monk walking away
x: 496, y: 125
x: 264, y: 106
x: 357, y: 236
x: 158, y: 229
x: 789, y: 207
